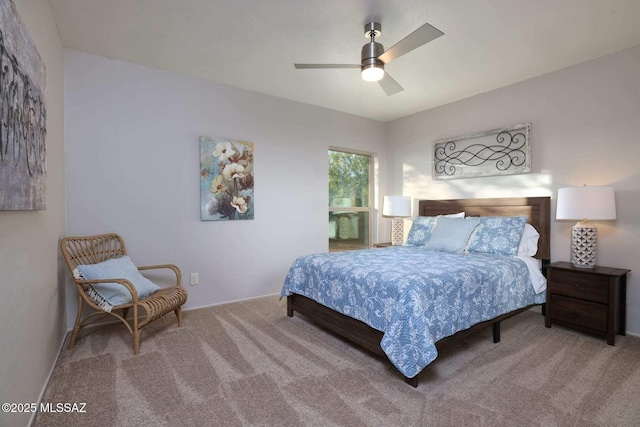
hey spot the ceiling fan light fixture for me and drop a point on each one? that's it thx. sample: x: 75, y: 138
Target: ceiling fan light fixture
x: 372, y: 72
x: 373, y: 57
x: 372, y: 68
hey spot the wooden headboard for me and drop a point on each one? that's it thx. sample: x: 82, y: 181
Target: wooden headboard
x: 536, y: 209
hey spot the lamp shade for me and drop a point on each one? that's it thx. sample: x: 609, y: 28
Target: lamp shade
x: 591, y: 203
x: 396, y: 206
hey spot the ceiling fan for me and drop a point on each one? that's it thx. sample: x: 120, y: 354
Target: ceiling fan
x: 374, y: 57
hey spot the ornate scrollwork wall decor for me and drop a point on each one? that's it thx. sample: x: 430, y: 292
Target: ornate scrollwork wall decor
x: 501, y: 151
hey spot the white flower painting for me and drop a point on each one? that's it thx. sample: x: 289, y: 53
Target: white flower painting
x: 226, y: 179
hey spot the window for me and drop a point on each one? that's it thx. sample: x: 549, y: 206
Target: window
x: 349, y: 200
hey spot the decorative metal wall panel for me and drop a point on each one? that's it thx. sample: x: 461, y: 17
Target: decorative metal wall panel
x: 503, y: 151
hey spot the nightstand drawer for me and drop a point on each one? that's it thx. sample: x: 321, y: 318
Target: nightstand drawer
x: 588, y: 299
x: 584, y: 313
x: 579, y: 285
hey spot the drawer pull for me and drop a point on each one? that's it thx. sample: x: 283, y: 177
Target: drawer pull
x: 577, y: 285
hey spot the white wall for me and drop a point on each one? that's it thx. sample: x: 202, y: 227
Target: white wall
x: 585, y: 130
x: 132, y: 142
x: 32, y: 302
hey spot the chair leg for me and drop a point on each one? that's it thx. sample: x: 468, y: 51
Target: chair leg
x: 125, y: 311
x: 72, y: 341
x: 178, y: 312
x: 136, y: 341
x: 136, y: 331
x: 76, y: 326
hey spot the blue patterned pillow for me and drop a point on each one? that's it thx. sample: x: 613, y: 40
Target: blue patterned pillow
x: 451, y: 234
x: 421, y: 229
x: 498, y: 235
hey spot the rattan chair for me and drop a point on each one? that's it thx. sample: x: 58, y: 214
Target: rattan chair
x: 95, y: 249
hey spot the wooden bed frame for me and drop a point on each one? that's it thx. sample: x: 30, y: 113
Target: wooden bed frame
x: 537, y: 211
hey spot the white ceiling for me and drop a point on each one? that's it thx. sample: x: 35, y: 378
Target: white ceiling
x: 252, y: 44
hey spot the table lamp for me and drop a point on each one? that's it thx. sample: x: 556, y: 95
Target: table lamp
x: 397, y: 207
x: 585, y: 204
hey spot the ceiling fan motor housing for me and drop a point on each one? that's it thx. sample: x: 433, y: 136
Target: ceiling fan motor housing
x: 373, y: 49
x: 370, y: 53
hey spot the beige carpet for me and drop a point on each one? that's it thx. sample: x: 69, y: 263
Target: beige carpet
x: 246, y: 363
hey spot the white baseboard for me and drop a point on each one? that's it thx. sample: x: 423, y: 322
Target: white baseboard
x: 46, y: 383
x: 229, y: 302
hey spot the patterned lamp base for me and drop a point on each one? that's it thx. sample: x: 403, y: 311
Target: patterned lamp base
x: 344, y: 226
x: 584, y: 244
x: 396, y: 231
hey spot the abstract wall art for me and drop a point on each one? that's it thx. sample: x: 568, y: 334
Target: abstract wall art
x: 23, y: 168
x: 503, y: 151
x: 226, y: 179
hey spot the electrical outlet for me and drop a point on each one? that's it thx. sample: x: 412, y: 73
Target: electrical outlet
x: 194, y: 279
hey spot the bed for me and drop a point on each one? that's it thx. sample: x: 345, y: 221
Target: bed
x: 399, y: 302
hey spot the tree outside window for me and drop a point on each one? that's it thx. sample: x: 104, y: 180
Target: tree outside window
x: 349, y: 200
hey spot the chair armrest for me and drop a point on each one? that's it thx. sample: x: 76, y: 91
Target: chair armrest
x: 172, y: 267
x: 124, y: 282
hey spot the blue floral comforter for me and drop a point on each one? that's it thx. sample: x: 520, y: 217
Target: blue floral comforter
x: 414, y: 296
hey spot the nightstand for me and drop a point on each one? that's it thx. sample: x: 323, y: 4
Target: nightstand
x: 383, y: 245
x: 592, y: 300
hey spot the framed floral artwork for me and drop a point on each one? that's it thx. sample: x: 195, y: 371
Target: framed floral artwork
x: 226, y: 179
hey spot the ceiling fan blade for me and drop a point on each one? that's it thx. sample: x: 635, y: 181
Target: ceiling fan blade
x: 389, y: 85
x: 422, y: 35
x: 312, y: 66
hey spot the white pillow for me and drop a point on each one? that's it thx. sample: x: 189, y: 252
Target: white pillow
x: 456, y: 215
x: 538, y: 281
x: 408, y: 222
x: 529, y: 241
